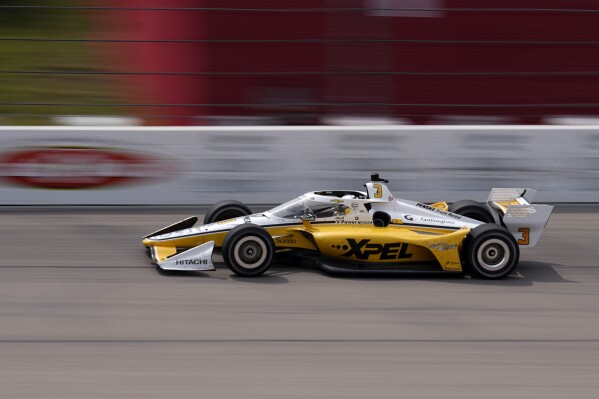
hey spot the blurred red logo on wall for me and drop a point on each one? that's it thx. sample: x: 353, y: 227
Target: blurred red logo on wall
x: 76, y: 167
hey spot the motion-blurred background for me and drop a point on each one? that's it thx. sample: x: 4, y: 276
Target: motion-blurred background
x: 262, y: 100
x: 165, y: 106
x: 298, y: 62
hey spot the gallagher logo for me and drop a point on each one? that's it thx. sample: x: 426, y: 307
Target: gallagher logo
x: 76, y: 167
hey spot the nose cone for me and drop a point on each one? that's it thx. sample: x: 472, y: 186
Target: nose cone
x: 160, y: 238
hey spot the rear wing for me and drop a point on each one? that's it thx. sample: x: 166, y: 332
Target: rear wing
x: 501, y: 198
x: 515, y: 210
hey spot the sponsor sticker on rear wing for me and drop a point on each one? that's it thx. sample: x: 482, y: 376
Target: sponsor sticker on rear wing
x: 502, y: 198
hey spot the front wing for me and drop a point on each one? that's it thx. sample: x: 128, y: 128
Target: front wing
x: 194, y: 259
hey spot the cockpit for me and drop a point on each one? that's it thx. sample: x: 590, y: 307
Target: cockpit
x: 342, y: 194
x: 309, y: 209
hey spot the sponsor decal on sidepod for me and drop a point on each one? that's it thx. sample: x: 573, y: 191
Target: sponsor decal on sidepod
x: 363, y: 250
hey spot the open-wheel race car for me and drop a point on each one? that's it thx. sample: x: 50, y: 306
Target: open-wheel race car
x: 369, y: 231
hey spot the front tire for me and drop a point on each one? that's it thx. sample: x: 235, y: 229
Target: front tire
x: 223, y: 210
x: 248, y: 250
x: 490, y: 252
x: 473, y: 210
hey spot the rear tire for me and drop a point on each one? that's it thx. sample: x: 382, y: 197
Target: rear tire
x: 490, y: 252
x: 248, y: 250
x: 223, y: 210
x: 473, y: 210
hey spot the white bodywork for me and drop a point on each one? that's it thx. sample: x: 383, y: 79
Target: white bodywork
x: 520, y: 214
x: 194, y: 259
x: 525, y: 221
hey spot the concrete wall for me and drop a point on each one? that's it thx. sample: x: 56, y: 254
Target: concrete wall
x: 155, y: 166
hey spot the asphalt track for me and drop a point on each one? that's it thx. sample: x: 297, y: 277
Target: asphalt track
x: 83, y: 314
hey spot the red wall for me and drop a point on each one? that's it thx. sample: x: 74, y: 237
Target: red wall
x: 342, y: 72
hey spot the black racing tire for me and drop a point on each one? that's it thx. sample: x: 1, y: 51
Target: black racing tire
x: 381, y: 219
x: 224, y: 210
x: 248, y: 250
x: 473, y: 210
x: 490, y: 252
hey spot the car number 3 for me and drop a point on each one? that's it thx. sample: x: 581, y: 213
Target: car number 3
x: 525, y: 240
x: 379, y: 190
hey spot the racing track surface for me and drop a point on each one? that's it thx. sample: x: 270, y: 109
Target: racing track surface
x: 83, y: 314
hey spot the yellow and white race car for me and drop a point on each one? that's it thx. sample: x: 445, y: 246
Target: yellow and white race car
x: 359, y: 231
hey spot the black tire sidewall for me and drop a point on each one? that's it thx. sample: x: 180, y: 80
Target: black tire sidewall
x: 224, y: 210
x: 477, y: 237
x: 237, y: 234
x: 473, y: 210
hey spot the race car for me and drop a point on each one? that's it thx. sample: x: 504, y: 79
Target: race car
x: 344, y: 230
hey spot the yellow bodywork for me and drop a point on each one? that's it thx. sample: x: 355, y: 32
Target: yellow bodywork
x: 161, y: 253
x: 441, y: 205
x: 394, y: 244
x: 354, y: 243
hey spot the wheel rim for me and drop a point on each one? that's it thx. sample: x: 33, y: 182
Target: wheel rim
x: 493, y: 255
x: 250, y: 252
